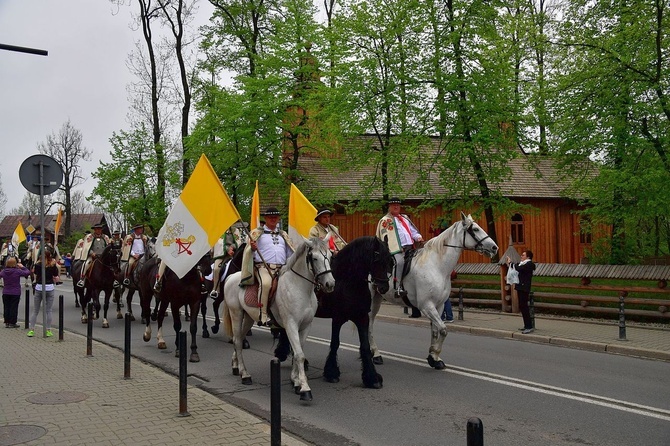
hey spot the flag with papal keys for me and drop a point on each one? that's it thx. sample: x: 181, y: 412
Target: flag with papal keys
x: 301, y: 216
x: 255, y: 220
x: 201, y: 214
x: 59, y: 221
x: 18, y: 236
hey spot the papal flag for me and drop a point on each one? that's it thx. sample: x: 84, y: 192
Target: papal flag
x: 255, y: 220
x: 301, y: 216
x: 197, y: 219
x: 18, y: 236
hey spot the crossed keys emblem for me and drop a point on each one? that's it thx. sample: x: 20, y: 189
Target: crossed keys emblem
x: 172, y: 233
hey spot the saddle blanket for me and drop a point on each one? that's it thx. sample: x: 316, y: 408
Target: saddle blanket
x: 251, y: 296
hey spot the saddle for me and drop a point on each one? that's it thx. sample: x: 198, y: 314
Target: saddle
x: 409, y: 255
x: 251, y: 294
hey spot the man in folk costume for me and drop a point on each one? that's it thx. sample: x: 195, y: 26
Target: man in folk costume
x: 266, y: 253
x: 323, y: 227
x: 94, y: 245
x: 222, y: 253
x: 79, y: 247
x: 401, y: 234
x: 134, y: 247
x: 116, y: 239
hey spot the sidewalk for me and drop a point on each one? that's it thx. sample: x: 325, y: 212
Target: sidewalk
x: 641, y: 341
x: 52, y: 393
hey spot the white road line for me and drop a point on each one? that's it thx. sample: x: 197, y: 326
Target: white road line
x: 625, y: 406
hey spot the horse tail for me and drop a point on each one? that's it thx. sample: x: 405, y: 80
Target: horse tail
x: 227, y: 321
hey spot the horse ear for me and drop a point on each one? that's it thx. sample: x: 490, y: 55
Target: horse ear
x: 463, y: 217
x: 386, y: 240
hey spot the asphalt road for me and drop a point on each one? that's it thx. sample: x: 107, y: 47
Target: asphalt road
x: 524, y: 393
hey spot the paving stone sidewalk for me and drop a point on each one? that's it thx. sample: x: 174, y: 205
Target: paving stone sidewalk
x: 53, y: 393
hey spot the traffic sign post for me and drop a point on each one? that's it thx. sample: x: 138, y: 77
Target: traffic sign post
x: 41, y: 175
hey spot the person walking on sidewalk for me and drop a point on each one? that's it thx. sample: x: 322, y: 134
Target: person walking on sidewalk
x: 50, y: 271
x: 11, y: 293
x: 525, y: 269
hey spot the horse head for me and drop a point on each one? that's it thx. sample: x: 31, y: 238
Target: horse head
x: 476, y: 239
x: 318, y: 259
x: 381, y: 267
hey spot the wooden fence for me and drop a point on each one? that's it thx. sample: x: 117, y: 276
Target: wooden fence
x: 582, y: 297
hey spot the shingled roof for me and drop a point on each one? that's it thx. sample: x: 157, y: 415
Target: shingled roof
x: 79, y: 222
x: 531, y: 176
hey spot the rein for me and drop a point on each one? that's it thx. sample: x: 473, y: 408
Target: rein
x: 469, y: 231
x: 310, y: 265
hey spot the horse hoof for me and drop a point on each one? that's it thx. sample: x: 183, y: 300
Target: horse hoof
x: 215, y: 329
x: 205, y: 334
x: 245, y: 345
x: 105, y: 325
x: 146, y: 338
x: 194, y: 358
x: 306, y: 396
x: 76, y: 304
x: 378, y: 360
x: 437, y: 365
x: 132, y: 318
x: 331, y: 380
x: 121, y: 305
x: 246, y: 381
x: 176, y: 353
x: 162, y: 345
x: 236, y: 371
x: 119, y: 316
x: 296, y: 389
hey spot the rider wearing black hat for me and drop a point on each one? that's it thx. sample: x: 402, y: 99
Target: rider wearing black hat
x: 134, y: 247
x: 94, y: 245
x: 323, y: 227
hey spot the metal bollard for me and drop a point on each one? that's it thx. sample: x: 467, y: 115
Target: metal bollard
x: 60, y: 317
x: 531, y: 308
x: 27, y: 315
x: 183, y: 375
x: 126, y: 349
x: 89, y: 330
x: 460, y: 304
x: 622, y: 316
x: 475, y: 430
x: 275, y: 403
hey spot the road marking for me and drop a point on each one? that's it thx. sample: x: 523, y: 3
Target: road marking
x: 625, y: 406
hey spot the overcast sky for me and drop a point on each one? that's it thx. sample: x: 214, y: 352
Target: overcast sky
x: 83, y: 79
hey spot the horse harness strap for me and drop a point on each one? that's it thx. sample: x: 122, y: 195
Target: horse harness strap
x: 469, y: 231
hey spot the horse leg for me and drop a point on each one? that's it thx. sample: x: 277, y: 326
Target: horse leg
x: 371, y: 379
x: 194, y: 331
x: 105, y: 322
x: 283, y: 345
x: 203, y: 311
x: 376, y: 305
x: 298, y: 375
x: 117, y: 298
x: 187, y: 316
x: 159, y: 320
x: 176, y: 324
x: 438, y: 335
x: 217, y: 318
x: 129, y: 304
x: 239, y: 328
x: 331, y: 371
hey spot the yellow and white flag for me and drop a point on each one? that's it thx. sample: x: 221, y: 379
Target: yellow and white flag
x: 255, y: 220
x: 18, y: 236
x: 197, y: 219
x: 301, y: 216
x: 59, y: 221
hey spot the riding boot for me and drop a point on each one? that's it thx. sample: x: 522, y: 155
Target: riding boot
x: 158, y: 284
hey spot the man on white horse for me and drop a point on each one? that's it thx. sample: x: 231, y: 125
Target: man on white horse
x: 134, y: 247
x: 401, y: 234
x: 323, y: 227
x: 94, y: 245
x: 223, y: 250
x: 266, y: 253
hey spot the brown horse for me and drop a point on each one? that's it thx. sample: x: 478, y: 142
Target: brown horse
x: 100, y: 278
x: 176, y: 293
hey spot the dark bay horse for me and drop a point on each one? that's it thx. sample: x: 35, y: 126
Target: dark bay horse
x: 364, y: 259
x: 135, y: 275
x: 100, y: 278
x: 234, y: 266
x: 175, y: 293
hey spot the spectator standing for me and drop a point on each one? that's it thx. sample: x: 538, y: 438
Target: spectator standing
x: 11, y: 293
x: 525, y: 269
x: 50, y: 271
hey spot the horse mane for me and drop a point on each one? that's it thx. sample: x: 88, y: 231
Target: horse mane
x: 438, y: 243
x: 353, y: 261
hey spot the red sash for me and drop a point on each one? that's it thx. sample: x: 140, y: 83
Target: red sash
x: 404, y: 224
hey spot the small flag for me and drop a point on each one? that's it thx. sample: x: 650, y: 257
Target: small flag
x: 18, y: 236
x: 301, y: 216
x: 255, y: 220
x: 59, y: 221
x: 197, y: 219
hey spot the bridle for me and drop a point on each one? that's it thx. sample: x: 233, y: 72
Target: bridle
x: 471, y: 232
x: 111, y: 266
x: 377, y: 257
x: 309, y: 259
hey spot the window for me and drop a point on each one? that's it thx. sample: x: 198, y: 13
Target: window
x: 517, y: 230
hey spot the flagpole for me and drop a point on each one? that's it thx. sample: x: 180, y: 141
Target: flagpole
x: 259, y: 253
x: 332, y: 229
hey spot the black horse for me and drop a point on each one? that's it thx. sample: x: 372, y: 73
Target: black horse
x: 134, y: 277
x: 176, y: 293
x: 363, y: 258
x: 234, y: 266
x: 100, y: 278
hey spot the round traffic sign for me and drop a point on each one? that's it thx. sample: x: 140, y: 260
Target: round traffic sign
x: 44, y: 168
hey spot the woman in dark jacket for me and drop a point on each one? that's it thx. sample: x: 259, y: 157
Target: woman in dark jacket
x: 11, y: 292
x: 525, y: 269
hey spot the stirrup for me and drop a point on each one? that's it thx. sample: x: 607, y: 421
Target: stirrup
x: 126, y: 281
x: 80, y: 284
x: 157, y: 286
x: 116, y: 284
x: 214, y: 294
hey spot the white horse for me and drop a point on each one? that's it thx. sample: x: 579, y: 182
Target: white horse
x: 293, y: 307
x: 428, y: 283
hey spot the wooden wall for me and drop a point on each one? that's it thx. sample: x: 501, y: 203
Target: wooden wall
x: 551, y: 232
